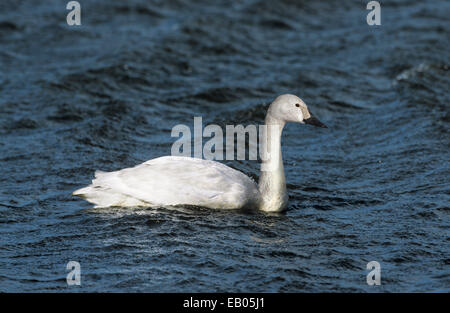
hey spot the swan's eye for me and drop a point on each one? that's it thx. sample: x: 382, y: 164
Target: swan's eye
x: 297, y: 105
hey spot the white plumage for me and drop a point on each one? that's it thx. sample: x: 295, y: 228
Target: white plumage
x: 176, y: 181
x: 171, y: 181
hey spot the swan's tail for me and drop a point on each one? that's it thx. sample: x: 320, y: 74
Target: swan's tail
x: 103, y: 194
x: 97, y: 184
x: 99, y: 192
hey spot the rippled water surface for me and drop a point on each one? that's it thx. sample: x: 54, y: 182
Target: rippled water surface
x: 105, y: 95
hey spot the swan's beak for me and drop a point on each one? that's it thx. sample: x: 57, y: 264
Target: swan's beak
x: 312, y: 120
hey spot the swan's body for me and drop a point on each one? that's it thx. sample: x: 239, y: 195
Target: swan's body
x: 173, y: 181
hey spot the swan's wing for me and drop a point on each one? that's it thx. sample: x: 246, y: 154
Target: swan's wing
x: 171, y: 180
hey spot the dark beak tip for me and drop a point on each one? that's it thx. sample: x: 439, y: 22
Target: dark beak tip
x: 315, y: 122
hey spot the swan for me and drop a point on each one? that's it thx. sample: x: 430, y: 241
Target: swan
x: 176, y: 181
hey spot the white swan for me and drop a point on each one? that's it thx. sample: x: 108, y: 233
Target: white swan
x: 174, y: 180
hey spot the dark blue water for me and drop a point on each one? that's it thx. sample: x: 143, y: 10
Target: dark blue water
x: 105, y: 95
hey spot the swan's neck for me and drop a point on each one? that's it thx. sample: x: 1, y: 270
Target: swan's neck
x: 272, y: 183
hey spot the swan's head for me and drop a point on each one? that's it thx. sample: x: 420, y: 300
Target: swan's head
x: 290, y: 108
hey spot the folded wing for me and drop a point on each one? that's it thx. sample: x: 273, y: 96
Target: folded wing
x: 169, y: 181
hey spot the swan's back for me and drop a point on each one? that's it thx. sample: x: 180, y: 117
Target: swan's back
x: 170, y: 181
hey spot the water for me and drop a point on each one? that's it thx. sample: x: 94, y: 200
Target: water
x: 105, y: 95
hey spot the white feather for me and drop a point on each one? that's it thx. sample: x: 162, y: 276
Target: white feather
x: 170, y: 181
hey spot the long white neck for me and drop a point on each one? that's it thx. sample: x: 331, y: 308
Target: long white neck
x: 272, y: 182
